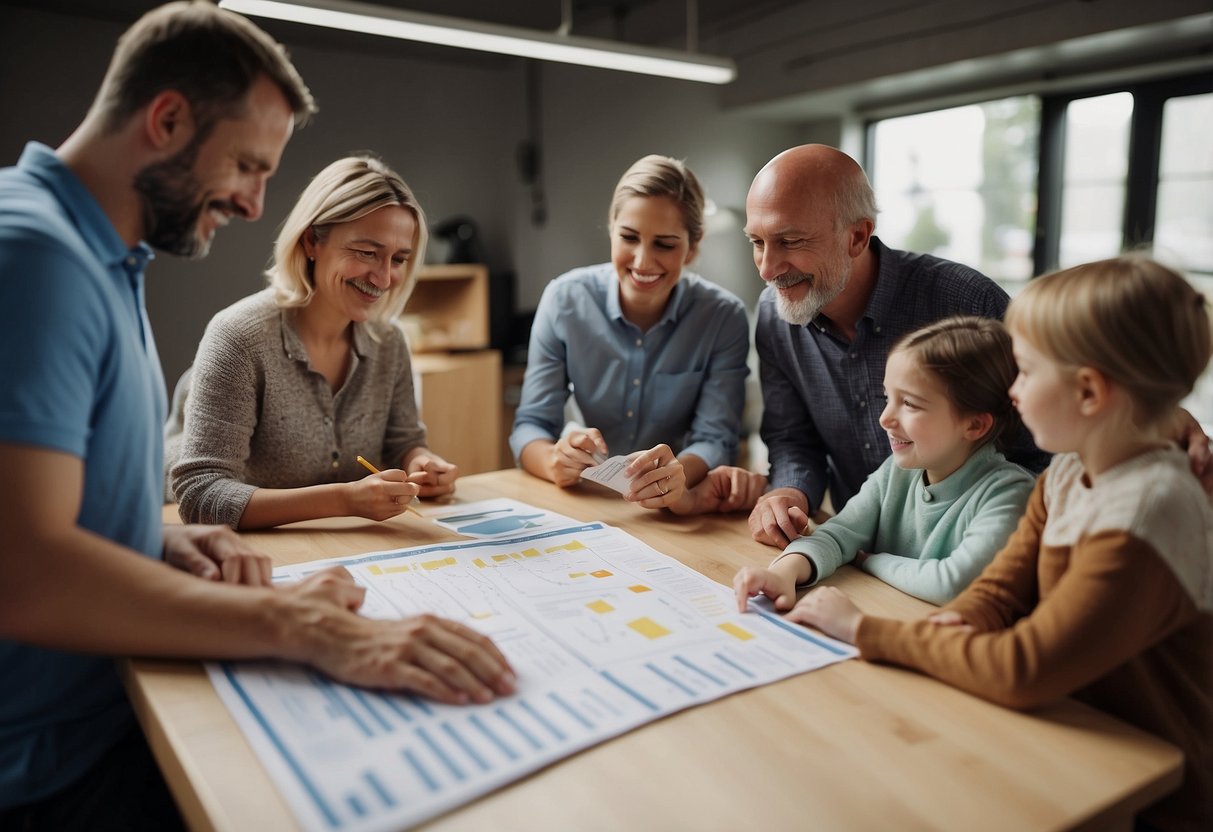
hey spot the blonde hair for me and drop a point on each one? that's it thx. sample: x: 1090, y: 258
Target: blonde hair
x: 345, y: 191
x: 1136, y: 321
x: 971, y: 358
x: 662, y: 176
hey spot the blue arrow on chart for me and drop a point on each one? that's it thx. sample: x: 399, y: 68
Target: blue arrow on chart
x: 463, y: 518
x: 497, y: 525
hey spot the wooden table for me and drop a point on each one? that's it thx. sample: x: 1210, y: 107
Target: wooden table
x: 851, y: 746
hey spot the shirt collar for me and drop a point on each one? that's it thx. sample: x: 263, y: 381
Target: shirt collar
x: 883, y: 302
x: 672, y: 307
x: 90, y: 219
x: 962, y: 479
x: 363, y: 343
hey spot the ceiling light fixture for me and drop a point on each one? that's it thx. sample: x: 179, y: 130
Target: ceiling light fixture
x: 487, y: 37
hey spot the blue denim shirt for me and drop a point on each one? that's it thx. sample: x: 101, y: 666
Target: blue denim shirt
x: 681, y: 383
x: 822, y: 395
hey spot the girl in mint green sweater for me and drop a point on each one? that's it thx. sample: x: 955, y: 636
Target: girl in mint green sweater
x: 934, y: 514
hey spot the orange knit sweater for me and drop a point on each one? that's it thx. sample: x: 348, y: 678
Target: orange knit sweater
x: 1103, y: 592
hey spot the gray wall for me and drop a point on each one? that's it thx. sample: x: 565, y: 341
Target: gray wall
x: 451, y: 121
x: 451, y: 128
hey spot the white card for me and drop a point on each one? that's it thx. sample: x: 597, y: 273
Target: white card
x: 611, y: 474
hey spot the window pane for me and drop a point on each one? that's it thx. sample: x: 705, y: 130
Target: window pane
x: 1092, y: 219
x: 1093, y: 183
x: 1183, y: 229
x: 961, y: 184
x: 1200, y: 403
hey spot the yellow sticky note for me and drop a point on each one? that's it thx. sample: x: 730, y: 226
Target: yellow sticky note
x: 600, y: 606
x: 374, y: 570
x: 531, y: 553
x: 640, y: 588
x: 500, y: 558
x: 480, y: 564
x: 739, y: 633
x: 648, y: 628
x: 602, y: 573
x: 576, y: 575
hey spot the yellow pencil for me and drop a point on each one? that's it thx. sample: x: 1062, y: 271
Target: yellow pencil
x: 368, y: 466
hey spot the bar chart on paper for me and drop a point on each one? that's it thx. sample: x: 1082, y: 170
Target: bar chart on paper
x: 500, y: 517
x: 605, y: 633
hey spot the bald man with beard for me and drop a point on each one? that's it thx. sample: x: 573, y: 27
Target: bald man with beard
x: 836, y: 300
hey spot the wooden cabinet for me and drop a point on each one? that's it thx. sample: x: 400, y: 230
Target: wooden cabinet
x: 458, y: 381
x: 460, y: 400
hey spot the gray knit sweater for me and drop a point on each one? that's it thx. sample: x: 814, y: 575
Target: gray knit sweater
x: 257, y: 415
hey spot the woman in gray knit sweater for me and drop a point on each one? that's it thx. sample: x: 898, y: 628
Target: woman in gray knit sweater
x: 291, y: 384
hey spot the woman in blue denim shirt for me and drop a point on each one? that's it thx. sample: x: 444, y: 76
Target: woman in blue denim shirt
x: 654, y: 357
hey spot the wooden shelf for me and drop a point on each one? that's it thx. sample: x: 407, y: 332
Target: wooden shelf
x: 449, y: 308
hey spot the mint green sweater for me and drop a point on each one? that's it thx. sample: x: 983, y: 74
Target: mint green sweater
x: 929, y: 541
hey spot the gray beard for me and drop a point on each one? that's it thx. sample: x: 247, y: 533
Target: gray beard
x: 801, y: 312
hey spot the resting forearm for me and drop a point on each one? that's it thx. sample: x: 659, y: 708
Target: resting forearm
x: 77, y: 591
x: 694, y: 468
x: 536, y: 459
x: 269, y: 507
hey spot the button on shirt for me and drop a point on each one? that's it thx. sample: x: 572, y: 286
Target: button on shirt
x: 681, y: 383
x: 821, y: 421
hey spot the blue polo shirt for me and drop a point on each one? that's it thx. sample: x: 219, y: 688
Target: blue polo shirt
x: 79, y: 373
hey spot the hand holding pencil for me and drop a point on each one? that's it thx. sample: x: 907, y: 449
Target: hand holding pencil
x: 384, y: 494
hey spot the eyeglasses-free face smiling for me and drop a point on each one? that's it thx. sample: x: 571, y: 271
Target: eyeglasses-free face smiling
x: 356, y: 263
x: 649, y: 246
x: 191, y: 195
x: 925, y: 429
x: 797, y: 249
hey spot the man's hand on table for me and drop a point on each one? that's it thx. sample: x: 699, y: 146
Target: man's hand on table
x: 781, y: 516
x: 433, y: 656
x: 215, y: 553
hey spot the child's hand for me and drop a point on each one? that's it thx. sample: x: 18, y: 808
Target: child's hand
x: 830, y: 611
x: 776, y: 585
x: 949, y: 618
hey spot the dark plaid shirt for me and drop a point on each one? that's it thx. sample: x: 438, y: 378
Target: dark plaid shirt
x: 822, y: 395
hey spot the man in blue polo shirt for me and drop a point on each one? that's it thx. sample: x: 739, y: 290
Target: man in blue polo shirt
x: 191, y: 120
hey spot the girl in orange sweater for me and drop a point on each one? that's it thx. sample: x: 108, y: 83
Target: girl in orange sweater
x: 1105, y: 591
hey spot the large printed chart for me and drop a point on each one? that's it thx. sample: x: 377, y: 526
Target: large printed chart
x: 604, y: 632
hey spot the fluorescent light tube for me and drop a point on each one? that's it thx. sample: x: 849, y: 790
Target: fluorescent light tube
x: 487, y: 37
